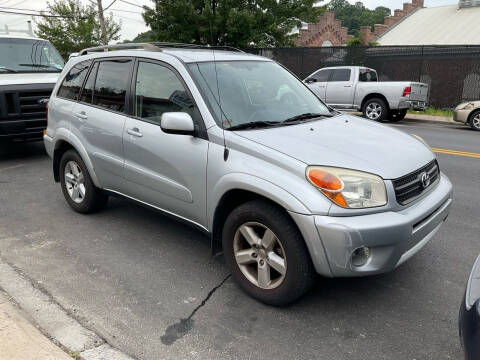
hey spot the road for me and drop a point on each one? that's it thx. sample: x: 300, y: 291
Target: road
x: 150, y: 287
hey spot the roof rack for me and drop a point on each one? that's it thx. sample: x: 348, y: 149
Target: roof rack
x: 153, y: 46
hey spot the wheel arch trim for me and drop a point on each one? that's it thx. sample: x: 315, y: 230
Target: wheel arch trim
x: 65, y: 136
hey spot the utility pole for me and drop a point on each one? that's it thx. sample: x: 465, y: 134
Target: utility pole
x: 102, y: 22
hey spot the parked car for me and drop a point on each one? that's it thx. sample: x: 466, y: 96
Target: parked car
x: 468, y: 113
x: 357, y: 88
x: 29, y: 69
x: 469, y: 320
x: 287, y: 188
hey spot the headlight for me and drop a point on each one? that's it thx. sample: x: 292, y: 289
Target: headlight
x: 348, y: 188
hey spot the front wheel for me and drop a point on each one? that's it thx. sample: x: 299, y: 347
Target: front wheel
x: 375, y: 109
x: 475, y: 121
x: 77, y: 186
x: 266, y: 253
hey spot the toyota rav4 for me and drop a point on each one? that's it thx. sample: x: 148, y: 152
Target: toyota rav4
x: 237, y: 146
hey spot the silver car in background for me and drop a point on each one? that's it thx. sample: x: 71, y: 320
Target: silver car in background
x: 468, y: 113
x: 237, y: 146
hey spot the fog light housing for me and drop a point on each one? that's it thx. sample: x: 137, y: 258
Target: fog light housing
x: 361, y: 256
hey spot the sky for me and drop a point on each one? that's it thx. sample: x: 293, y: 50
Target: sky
x: 130, y: 15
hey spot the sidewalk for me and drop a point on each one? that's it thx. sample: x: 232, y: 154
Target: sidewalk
x: 20, y: 340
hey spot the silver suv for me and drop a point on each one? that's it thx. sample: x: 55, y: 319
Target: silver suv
x: 237, y: 146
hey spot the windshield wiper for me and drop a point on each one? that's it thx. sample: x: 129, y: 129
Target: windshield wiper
x: 8, y: 70
x: 42, y: 66
x: 306, y: 116
x: 253, y: 125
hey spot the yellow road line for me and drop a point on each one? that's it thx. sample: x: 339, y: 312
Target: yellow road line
x: 456, y: 152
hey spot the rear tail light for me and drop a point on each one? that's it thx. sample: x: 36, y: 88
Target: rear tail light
x: 45, y: 130
x: 407, y: 91
x: 46, y: 107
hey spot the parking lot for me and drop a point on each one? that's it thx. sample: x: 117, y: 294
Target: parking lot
x: 150, y: 287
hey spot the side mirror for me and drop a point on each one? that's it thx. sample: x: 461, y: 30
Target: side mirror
x: 310, y: 80
x: 177, y: 123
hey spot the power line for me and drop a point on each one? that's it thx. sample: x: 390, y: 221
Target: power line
x: 31, y: 14
x: 127, y: 11
x: 113, y: 2
x: 129, y: 3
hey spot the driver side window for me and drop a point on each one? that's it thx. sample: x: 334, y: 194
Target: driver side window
x: 322, y: 75
x: 159, y: 90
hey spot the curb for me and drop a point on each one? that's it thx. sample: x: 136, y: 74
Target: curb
x: 53, y: 320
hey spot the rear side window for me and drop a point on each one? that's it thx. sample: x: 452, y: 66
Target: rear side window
x: 87, y: 92
x: 341, y: 75
x: 322, y: 75
x: 159, y: 90
x: 71, y: 85
x: 367, y: 75
x: 111, y: 84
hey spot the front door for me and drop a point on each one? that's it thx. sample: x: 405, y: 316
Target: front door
x: 167, y: 171
x: 319, y: 86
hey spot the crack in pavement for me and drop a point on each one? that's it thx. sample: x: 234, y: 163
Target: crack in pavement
x: 181, y: 328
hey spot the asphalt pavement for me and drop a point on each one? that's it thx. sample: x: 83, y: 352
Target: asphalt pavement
x: 149, y: 286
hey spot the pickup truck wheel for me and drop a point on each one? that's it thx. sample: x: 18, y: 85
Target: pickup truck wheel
x: 375, y: 109
x: 266, y: 253
x: 77, y: 185
x: 475, y: 121
x: 397, y: 115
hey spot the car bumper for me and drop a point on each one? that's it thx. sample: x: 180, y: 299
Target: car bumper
x: 48, y: 142
x: 392, y: 237
x: 412, y: 105
x: 461, y: 116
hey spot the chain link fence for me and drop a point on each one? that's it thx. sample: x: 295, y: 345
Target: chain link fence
x: 452, y: 72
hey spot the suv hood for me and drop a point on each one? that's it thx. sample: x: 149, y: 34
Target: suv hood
x: 349, y: 142
x: 28, y: 78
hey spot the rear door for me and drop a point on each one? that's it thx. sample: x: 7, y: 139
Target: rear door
x: 319, y: 86
x: 167, y: 171
x: 100, y: 118
x: 340, y: 88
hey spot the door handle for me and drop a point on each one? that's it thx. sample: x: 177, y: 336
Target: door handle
x: 134, y: 132
x: 347, y: 86
x: 82, y: 115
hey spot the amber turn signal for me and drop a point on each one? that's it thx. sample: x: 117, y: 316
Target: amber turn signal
x: 325, y: 180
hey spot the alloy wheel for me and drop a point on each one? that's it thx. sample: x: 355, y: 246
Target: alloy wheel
x: 75, y: 182
x: 374, y: 111
x: 476, y: 122
x: 260, y: 255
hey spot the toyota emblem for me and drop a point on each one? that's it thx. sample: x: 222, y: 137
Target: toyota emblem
x: 425, y: 180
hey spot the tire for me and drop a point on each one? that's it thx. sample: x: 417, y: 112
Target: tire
x: 474, y: 121
x: 397, y: 115
x: 375, y: 109
x: 280, y: 242
x: 79, y: 191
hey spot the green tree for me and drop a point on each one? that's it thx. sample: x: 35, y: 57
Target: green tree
x: 77, y: 27
x: 355, y: 15
x: 239, y: 23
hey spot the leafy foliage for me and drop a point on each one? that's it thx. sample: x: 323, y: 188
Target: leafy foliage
x: 355, y: 15
x: 77, y: 29
x: 239, y: 23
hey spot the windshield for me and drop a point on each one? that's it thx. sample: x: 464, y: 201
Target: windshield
x: 254, y: 91
x: 29, y: 55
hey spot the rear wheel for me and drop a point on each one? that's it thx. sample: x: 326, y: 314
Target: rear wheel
x: 397, y: 115
x: 375, y: 109
x: 77, y: 185
x: 475, y: 120
x: 266, y: 253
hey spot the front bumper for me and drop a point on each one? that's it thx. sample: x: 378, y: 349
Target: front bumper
x: 392, y: 237
x: 461, y: 116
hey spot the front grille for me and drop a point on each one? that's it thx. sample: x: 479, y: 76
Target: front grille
x: 410, y: 187
x: 21, y: 109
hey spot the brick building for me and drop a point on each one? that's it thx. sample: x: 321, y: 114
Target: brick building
x: 330, y: 32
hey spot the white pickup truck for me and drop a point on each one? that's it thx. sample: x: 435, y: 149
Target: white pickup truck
x: 357, y: 88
